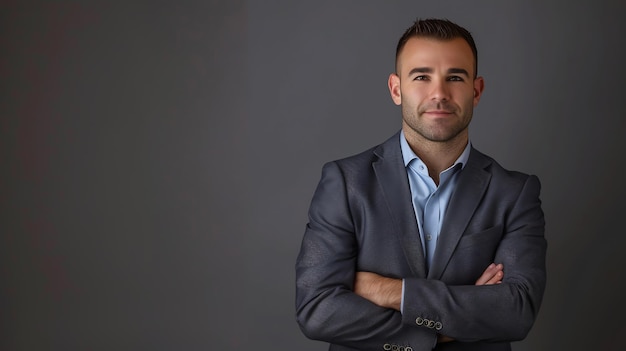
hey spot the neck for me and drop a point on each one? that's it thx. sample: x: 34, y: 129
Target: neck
x: 437, y: 155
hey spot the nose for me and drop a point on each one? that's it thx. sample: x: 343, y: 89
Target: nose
x: 439, y: 90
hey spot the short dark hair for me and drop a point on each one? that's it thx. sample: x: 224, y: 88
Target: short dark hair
x: 439, y: 29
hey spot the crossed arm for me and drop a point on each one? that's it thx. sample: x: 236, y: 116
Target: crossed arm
x: 387, y: 292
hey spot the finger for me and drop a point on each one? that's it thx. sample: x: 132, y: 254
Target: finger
x: 491, y: 275
x: 496, y: 279
x: 487, y: 274
x: 498, y: 274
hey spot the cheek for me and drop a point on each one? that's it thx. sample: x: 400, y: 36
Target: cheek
x: 409, y: 105
x: 473, y: 101
x: 468, y: 99
x: 411, y: 98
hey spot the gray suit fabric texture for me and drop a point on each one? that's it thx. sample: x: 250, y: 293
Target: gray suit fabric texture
x: 361, y: 218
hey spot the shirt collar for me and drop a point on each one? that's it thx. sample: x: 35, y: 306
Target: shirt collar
x: 408, y: 155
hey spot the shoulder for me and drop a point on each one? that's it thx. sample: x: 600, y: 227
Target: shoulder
x: 388, y: 150
x: 499, y: 174
x: 360, y: 160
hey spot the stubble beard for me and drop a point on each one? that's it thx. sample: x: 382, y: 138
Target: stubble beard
x: 436, y: 131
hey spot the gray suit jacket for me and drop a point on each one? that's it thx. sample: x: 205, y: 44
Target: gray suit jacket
x: 361, y: 219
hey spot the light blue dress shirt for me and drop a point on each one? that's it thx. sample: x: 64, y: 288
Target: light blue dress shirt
x: 429, y: 200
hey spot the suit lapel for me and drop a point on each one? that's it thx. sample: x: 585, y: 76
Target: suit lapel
x: 393, y: 180
x: 470, y: 188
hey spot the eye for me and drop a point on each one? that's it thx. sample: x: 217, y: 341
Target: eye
x: 455, y: 79
x: 421, y: 78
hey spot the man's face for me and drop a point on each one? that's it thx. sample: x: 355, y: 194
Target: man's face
x: 436, y: 88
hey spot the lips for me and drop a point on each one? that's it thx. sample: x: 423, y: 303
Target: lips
x: 441, y: 113
x: 438, y: 109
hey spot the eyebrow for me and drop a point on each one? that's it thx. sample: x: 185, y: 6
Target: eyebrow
x: 430, y: 70
x: 458, y: 71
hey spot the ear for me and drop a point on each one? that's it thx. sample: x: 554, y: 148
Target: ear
x: 394, y: 88
x: 479, y: 86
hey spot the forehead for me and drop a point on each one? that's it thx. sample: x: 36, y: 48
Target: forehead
x: 435, y: 53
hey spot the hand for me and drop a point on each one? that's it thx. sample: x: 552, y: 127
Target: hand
x: 383, y: 291
x: 492, y: 275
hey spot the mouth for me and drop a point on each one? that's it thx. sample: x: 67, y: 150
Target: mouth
x: 442, y: 113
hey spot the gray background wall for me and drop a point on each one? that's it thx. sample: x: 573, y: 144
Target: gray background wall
x: 158, y: 158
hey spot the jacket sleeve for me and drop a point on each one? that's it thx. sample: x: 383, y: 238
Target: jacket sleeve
x: 503, y: 312
x: 327, y: 309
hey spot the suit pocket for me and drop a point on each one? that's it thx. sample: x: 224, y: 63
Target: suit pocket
x: 486, y: 238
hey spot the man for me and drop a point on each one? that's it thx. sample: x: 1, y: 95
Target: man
x: 423, y: 242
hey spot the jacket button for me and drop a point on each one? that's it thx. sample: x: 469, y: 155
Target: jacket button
x: 431, y: 324
x: 419, y: 321
x: 387, y: 347
x: 438, y: 325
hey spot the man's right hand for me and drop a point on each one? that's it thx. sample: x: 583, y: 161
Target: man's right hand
x: 492, y: 275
